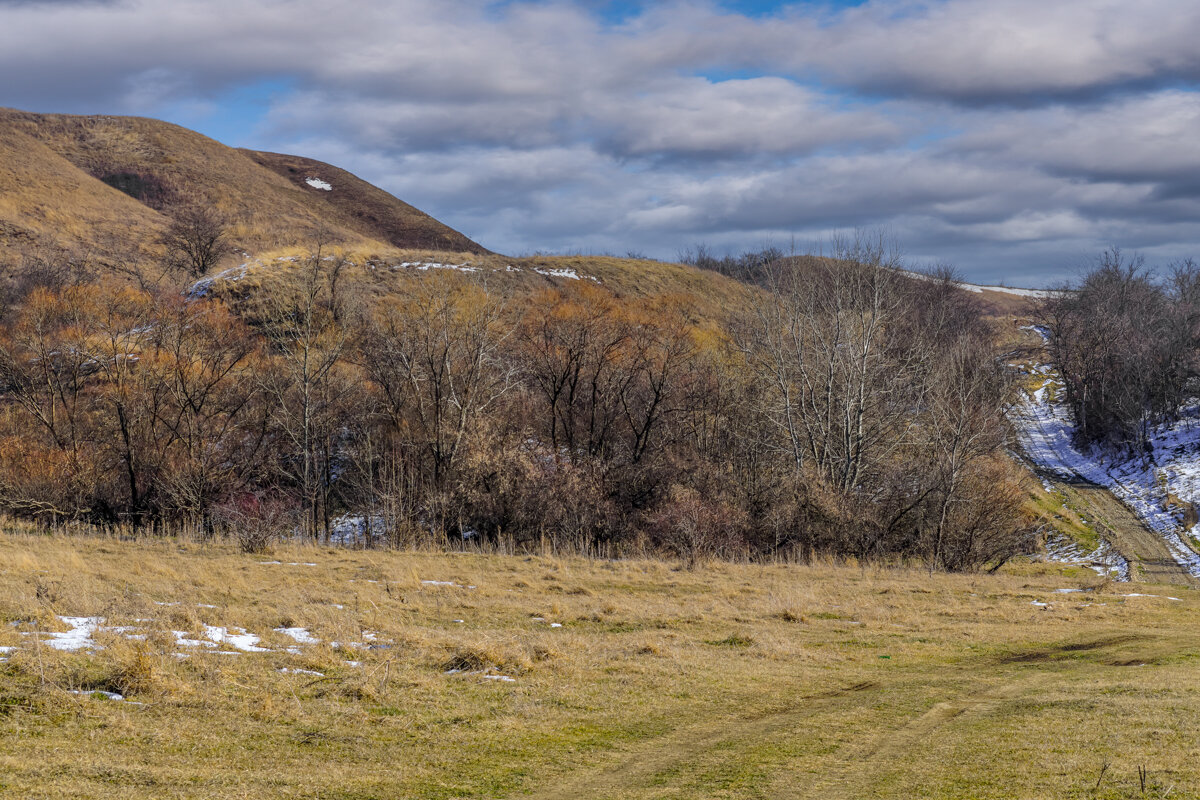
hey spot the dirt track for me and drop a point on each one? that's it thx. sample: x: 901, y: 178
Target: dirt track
x: 1148, y: 556
x: 866, y: 758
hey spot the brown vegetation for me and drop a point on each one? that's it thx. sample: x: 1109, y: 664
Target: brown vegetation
x: 592, y: 405
x: 848, y: 409
x: 726, y: 681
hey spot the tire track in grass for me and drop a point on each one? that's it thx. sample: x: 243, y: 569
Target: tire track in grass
x: 657, y: 767
x: 857, y: 773
x: 670, y: 765
x: 1123, y: 530
x: 642, y: 766
x: 853, y: 775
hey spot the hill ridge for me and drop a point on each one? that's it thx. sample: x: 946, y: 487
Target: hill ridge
x: 108, y: 185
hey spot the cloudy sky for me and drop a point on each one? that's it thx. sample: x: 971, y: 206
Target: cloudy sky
x: 1011, y: 138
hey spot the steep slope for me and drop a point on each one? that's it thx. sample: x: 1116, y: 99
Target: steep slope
x: 48, y: 205
x: 107, y: 185
x: 364, y: 208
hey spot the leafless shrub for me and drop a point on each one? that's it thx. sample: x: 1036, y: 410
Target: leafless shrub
x: 255, y: 520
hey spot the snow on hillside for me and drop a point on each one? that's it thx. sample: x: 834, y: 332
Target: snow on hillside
x: 317, y: 183
x: 981, y: 288
x: 425, y: 266
x: 202, y: 287
x: 971, y: 287
x: 1045, y: 431
x: 1103, y: 560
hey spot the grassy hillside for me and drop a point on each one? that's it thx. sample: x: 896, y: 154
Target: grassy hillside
x: 356, y: 205
x: 707, y: 298
x: 48, y: 204
x: 102, y: 184
x: 469, y: 675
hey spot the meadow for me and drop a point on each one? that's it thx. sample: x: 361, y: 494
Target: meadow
x: 332, y: 673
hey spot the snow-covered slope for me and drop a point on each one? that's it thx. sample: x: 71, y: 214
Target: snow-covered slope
x: 1045, y: 432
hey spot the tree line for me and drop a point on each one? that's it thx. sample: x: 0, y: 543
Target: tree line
x: 1126, y: 341
x: 844, y: 410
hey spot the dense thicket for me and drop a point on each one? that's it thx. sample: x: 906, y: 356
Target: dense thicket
x: 850, y: 410
x: 1126, y: 344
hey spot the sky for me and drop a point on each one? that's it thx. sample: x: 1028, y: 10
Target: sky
x: 1011, y: 139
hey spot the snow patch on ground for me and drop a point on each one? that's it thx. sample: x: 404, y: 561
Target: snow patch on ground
x: 101, y: 693
x: 447, y: 583
x: 558, y: 273
x: 78, y: 638
x: 971, y: 287
x: 234, y: 637
x: 298, y: 671
x: 317, y: 183
x: 301, y: 635
x: 202, y: 287
x: 981, y: 288
x: 565, y: 273
x: 1046, y: 433
x: 425, y: 266
x: 1104, y: 561
x: 488, y: 674
x: 182, y: 640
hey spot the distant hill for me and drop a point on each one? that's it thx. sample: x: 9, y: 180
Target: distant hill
x: 106, y: 187
x: 103, y: 188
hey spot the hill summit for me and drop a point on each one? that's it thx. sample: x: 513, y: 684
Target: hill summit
x: 106, y: 187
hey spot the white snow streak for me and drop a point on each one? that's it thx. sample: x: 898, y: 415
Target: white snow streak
x: 1045, y: 431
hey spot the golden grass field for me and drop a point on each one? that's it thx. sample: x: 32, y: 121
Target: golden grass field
x: 730, y: 680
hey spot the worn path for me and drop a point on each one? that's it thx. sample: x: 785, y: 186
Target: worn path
x: 1149, y: 558
x: 880, y: 734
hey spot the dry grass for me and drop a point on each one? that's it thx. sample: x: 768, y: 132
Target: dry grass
x: 707, y: 298
x: 725, y: 681
x: 53, y: 194
x: 47, y: 203
x: 53, y: 201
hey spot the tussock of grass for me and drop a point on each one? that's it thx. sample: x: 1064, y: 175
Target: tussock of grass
x: 488, y: 655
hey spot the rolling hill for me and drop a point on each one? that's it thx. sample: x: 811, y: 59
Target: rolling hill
x: 106, y: 187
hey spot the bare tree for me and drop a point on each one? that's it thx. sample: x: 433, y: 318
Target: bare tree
x: 826, y: 338
x: 196, y: 239
x: 1124, y: 345
x: 435, y: 358
x: 308, y: 386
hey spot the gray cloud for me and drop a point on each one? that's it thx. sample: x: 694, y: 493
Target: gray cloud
x: 1012, y: 51
x: 1008, y: 135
